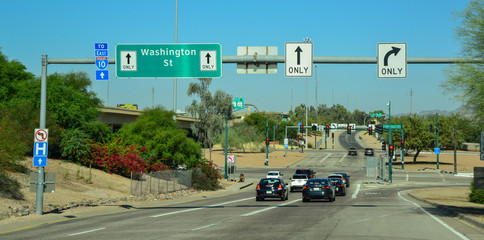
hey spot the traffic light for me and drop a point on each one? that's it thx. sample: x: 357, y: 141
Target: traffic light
x: 327, y: 130
x: 402, y: 144
x: 390, y: 150
x: 301, y: 127
x: 348, y: 129
x: 370, y: 130
x: 267, y: 141
x: 379, y: 129
x: 332, y: 135
x: 314, y: 127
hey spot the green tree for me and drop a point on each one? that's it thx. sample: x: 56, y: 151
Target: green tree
x: 417, y: 135
x: 210, y: 111
x: 11, y: 74
x: 465, y: 81
x: 158, y: 132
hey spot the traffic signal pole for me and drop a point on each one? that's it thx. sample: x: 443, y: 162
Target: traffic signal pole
x: 267, y: 146
x: 403, y: 147
x: 390, y: 140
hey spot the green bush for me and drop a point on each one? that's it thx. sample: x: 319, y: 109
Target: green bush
x: 74, y: 144
x: 10, y: 187
x: 476, y: 195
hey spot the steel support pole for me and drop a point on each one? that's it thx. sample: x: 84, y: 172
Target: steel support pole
x: 267, y: 146
x: 403, y: 150
x: 226, y: 140
x: 390, y: 140
x: 438, y: 141
x: 39, y: 205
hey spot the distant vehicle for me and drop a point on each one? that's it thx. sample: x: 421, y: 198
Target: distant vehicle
x: 339, y: 176
x: 318, y: 188
x: 308, y: 171
x: 346, y: 177
x: 339, y: 185
x: 274, y: 174
x: 298, y: 181
x: 271, y: 188
x: 352, y: 151
x: 369, y: 152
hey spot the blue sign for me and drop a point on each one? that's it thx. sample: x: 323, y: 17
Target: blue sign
x: 101, y: 63
x: 100, y: 46
x: 40, y: 161
x: 101, y: 53
x: 102, y: 74
x: 437, y: 150
x: 40, y: 149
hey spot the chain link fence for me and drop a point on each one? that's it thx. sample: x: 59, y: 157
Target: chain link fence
x: 160, y: 182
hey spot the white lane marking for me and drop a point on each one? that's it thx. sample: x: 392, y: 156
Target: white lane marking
x: 342, y: 158
x: 195, y: 209
x: 443, y: 179
x: 195, y: 229
x: 269, y: 208
x: 325, y: 158
x: 435, y: 218
x: 356, y: 192
x: 93, y: 230
x: 406, y: 179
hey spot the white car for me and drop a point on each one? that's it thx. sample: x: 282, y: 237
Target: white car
x: 298, y: 181
x: 274, y: 174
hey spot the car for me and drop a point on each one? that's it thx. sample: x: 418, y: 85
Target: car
x: 271, y: 188
x: 335, y: 175
x: 369, y: 152
x: 346, y: 177
x: 339, y: 185
x: 274, y: 174
x: 308, y: 171
x: 298, y: 181
x: 352, y: 151
x: 318, y: 188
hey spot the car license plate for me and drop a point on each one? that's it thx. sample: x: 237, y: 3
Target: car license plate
x: 269, y: 192
x: 316, y: 189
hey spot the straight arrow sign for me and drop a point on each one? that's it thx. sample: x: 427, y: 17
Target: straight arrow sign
x: 298, y: 51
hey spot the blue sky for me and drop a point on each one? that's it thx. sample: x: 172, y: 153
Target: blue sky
x: 69, y: 29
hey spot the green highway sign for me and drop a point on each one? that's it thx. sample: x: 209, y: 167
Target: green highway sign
x: 169, y: 60
x: 393, y: 126
x: 238, y: 103
x: 376, y: 114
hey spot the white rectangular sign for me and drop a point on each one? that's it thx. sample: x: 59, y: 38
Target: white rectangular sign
x: 299, y: 59
x: 392, y: 60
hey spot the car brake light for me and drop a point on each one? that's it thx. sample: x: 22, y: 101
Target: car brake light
x: 305, y: 187
x: 258, y: 186
x: 292, y: 180
x: 340, y: 185
x: 327, y: 187
x: 311, y: 176
x: 280, y: 187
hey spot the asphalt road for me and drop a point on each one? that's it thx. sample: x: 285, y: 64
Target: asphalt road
x: 366, y: 212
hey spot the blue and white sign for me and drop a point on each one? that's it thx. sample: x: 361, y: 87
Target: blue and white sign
x: 102, y: 74
x: 102, y: 63
x: 101, y: 53
x: 40, y: 154
x: 40, y: 161
x: 437, y: 150
x: 100, y: 46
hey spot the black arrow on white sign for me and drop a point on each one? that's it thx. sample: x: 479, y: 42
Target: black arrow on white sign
x: 128, y: 57
x: 394, y: 50
x: 298, y: 50
x: 208, y: 58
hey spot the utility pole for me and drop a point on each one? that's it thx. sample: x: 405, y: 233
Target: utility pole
x: 174, y: 80
x: 316, y: 88
x: 437, y: 141
x: 390, y: 172
x: 267, y: 146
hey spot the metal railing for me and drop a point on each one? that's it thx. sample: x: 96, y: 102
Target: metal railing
x: 160, y: 182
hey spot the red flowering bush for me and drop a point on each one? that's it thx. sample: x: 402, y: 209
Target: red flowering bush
x: 120, y: 159
x: 206, y: 177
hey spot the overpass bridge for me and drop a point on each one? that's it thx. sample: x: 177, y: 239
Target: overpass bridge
x: 116, y: 117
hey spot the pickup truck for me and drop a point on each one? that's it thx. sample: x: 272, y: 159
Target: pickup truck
x: 298, y: 181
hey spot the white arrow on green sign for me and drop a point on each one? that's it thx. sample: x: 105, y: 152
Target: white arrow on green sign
x: 169, y: 60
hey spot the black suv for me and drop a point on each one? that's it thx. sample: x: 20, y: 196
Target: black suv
x: 307, y: 171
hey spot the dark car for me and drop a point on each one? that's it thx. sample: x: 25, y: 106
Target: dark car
x: 352, y: 151
x: 271, y: 188
x: 346, y: 177
x: 339, y: 186
x: 318, y: 188
x: 369, y: 152
x: 308, y: 171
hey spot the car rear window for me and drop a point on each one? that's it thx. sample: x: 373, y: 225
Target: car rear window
x: 301, y: 176
x: 317, y: 183
x: 270, y: 181
x: 272, y: 174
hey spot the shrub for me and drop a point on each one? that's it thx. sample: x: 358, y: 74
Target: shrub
x: 74, y: 144
x: 206, y: 177
x: 10, y: 187
x: 476, y: 195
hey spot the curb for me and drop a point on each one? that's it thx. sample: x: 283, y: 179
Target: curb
x: 446, y: 209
